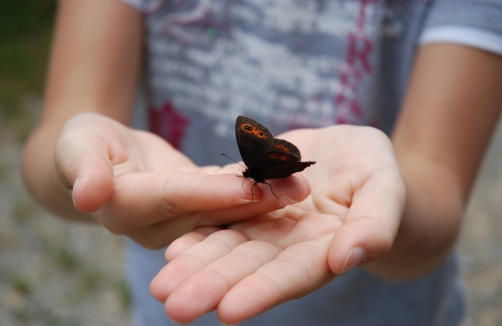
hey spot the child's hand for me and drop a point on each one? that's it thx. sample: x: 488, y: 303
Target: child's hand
x: 135, y: 183
x: 350, y: 218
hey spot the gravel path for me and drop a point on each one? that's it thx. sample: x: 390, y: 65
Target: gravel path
x: 58, y: 273
x: 480, y: 243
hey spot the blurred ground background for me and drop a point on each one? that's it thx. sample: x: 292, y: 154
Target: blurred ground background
x: 51, y: 272
x: 57, y: 273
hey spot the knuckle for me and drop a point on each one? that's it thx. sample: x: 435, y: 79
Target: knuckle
x: 169, y: 201
x: 168, y: 208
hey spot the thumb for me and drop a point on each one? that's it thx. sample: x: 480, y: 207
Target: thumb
x: 370, y: 227
x: 92, y: 183
x: 82, y: 162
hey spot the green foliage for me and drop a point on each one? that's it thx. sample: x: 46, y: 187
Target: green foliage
x: 21, y: 285
x: 25, y: 32
x: 123, y: 293
x: 92, y: 279
x: 67, y: 259
x: 24, y: 17
x: 23, y: 208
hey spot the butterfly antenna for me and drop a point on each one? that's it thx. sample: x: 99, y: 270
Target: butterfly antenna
x: 233, y: 160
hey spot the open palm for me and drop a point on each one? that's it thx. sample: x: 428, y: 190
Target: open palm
x: 350, y: 218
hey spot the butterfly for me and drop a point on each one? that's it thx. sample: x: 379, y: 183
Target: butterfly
x: 266, y: 157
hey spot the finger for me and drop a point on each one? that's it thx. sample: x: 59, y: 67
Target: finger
x: 163, y: 205
x: 201, y: 293
x: 180, y: 245
x: 197, y: 199
x: 289, y: 191
x: 194, y: 259
x: 289, y: 226
x: 158, y: 234
x: 285, y: 191
x: 371, y: 223
x: 83, y: 164
x: 298, y: 270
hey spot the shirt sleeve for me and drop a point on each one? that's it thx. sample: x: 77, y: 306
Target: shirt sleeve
x: 476, y: 23
x: 471, y: 36
x: 146, y: 6
x: 136, y: 4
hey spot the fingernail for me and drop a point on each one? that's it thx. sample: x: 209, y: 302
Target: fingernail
x: 355, y: 257
x: 175, y: 322
x: 285, y: 201
x: 247, y: 201
x: 73, y: 193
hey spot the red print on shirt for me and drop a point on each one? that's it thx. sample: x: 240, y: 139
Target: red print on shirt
x: 168, y: 123
x: 357, y: 66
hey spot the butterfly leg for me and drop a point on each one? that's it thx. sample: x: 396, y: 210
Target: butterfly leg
x: 256, y: 182
x: 273, y: 193
x: 242, y: 186
x: 252, y: 192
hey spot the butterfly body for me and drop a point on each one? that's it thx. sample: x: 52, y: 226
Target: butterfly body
x: 266, y: 157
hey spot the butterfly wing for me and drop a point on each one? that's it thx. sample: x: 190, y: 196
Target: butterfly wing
x: 271, y: 169
x: 285, y: 147
x: 281, y: 161
x: 253, y: 139
x: 265, y: 156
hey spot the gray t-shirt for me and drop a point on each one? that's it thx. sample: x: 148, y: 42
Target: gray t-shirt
x: 292, y: 64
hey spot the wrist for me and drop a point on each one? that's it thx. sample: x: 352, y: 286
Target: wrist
x: 429, y: 228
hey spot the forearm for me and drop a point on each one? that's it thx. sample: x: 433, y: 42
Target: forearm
x: 430, y: 224
x: 449, y: 114
x: 94, y: 67
x: 40, y: 176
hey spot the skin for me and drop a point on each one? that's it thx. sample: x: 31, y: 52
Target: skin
x: 392, y: 206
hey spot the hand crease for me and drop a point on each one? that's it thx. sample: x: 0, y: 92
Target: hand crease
x: 293, y: 261
x: 249, y: 254
x: 195, y: 257
x: 218, y: 241
x: 167, y: 206
x: 269, y: 280
x: 218, y: 274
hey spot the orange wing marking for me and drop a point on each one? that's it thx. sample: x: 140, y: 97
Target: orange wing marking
x: 250, y: 129
x: 282, y: 147
x: 281, y: 157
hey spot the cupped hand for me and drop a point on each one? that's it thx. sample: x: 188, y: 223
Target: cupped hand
x: 350, y: 219
x: 136, y: 184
